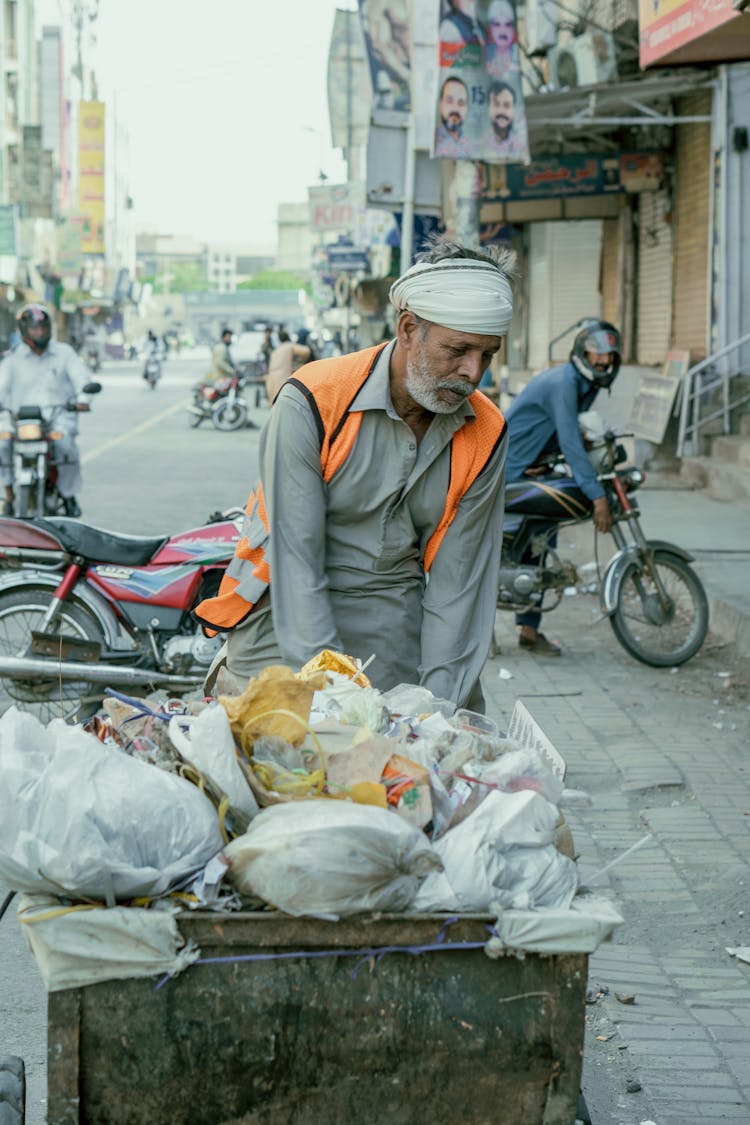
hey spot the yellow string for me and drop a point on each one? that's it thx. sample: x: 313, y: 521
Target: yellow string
x: 558, y: 497
x: 57, y: 913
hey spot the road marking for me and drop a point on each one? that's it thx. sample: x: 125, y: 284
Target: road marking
x: 139, y: 429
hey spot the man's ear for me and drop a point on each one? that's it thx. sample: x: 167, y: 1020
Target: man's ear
x: 407, y: 328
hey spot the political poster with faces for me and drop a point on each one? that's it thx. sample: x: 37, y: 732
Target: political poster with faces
x: 480, y: 113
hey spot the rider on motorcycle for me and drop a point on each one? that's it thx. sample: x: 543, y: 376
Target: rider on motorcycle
x: 222, y: 365
x: 543, y: 420
x: 42, y: 372
x: 153, y: 348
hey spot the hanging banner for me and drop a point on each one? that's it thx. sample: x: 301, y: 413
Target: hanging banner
x: 480, y: 111
x: 9, y: 230
x: 386, y: 29
x: 69, y: 242
x: 91, y: 176
x: 348, y: 83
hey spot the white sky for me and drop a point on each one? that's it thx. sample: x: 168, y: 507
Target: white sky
x: 226, y: 108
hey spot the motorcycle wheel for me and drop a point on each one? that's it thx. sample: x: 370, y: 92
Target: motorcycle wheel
x: 21, y: 612
x: 652, y: 636
x: 229, y: 415
x: 194, y: 420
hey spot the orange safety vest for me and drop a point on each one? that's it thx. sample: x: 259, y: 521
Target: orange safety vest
x: 330, y: 387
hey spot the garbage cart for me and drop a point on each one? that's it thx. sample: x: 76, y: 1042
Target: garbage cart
x: 294, y: 1021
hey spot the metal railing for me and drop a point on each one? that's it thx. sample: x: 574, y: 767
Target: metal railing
x: 696, y: 408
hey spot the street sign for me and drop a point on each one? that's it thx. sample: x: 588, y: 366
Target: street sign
x: 347, y: 259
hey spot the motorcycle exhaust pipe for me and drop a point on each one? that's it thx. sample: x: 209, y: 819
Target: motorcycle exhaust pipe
x: 110, y: 675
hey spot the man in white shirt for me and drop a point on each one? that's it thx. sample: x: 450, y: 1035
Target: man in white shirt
x: 42, y: 372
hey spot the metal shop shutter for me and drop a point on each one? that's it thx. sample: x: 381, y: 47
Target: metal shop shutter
x: 563, y: 283
x: 691, y: 228
x: 611, y: 280
x: 654, y: 278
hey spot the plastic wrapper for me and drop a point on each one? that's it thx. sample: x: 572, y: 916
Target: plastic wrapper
x: 330, y: 859
x: 87, y: 821
x: 344, y: 701
x: 522, y: 769
x: 329, y: 661
x: 206, y: 742
x: 276, y: 702
x: 411, y: 699
x: 502, y: 852
x: 408, y: 788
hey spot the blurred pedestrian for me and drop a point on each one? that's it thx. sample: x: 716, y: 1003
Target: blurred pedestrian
x: 286, y: 358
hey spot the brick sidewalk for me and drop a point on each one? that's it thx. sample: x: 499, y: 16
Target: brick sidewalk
x: 664, y: 753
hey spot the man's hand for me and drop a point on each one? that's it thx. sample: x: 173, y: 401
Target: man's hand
x: 602, y: 515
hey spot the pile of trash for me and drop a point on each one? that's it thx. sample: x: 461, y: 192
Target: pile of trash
x: 309, y: 792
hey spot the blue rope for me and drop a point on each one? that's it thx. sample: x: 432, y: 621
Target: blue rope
x: 364, y: 955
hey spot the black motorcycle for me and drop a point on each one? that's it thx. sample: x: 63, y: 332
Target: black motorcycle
x: 35, y: 438
x: 654, y: 600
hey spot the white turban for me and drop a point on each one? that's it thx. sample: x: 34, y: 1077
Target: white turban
x: 459, y: 293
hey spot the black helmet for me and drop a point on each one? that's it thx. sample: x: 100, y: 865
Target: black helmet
x: 597, y: 336
x: 34, y: 317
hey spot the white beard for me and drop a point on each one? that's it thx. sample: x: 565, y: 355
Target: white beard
x: 421, y: 386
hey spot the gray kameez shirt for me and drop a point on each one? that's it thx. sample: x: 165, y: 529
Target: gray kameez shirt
x: 346, y: 557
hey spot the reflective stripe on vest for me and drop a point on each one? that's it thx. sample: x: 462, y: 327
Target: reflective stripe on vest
x: 472, y: 447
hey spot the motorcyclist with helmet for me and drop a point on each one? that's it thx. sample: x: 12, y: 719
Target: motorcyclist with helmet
x: 43, y: 372
x: 543, y: 420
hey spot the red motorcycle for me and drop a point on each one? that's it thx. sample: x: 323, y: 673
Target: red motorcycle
x: 82, y: 609
x: 221, y: 400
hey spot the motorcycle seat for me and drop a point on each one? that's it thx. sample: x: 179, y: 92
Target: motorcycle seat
x: 98, y: 545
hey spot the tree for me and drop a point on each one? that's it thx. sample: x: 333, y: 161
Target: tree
x: 276, y: 279
x: 180, y: 277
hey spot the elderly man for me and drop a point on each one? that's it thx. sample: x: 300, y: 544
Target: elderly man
x: 376, y: 529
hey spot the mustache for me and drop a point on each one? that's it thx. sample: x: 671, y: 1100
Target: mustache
x: 463, y: 388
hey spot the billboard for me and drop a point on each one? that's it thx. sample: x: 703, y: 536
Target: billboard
x: 91, y: 176
x: 551, y: 177
x: 480, y: 112
x: 667, y: 25
x: 387, y: 33
x: 335, y: 207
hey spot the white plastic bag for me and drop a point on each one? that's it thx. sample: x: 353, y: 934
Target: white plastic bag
x: 329, y: 859
x: 88, y: 821
x: 206, y: 741
x: 521, y: 769
x: 503, y: 853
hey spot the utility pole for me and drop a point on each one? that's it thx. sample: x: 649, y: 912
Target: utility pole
x: 467, y: 203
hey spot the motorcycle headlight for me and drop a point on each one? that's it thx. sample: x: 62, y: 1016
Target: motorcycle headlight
x: 633, y: 478
x: 29, y: 431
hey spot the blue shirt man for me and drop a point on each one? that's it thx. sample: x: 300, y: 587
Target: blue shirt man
x: 543, y: 418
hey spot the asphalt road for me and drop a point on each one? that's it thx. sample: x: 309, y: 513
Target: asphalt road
x: 145, y: 470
